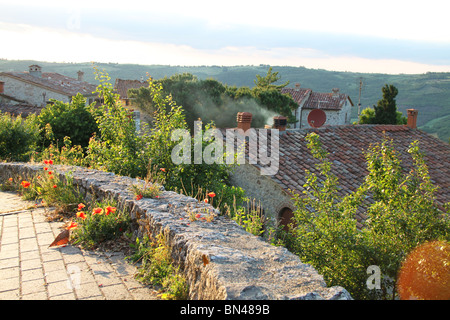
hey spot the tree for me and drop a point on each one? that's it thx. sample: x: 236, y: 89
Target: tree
x: 386, y: 109
x: 269, y: 95
x: 385, y: 112
x: 402, y: 215
x: 267, y: 81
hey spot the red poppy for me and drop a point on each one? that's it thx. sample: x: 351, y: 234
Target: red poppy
x: 198, y: 215
x: 45, y: 168
x: 110, y: 209
x: 206, y: 200
x: 45, y: 161
x: 25, y: 184
x: 211, y: 194
x: 55, y: 186
x: 81, y: 215
x: 81, y: 206
x: 97, y: 211
x: 139, y: 197
x: 50, y: 172
x: 163, y: 169
x: 50, y: 161
x: 72, y: 225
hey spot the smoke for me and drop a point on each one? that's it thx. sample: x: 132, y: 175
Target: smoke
x: 224, y: 114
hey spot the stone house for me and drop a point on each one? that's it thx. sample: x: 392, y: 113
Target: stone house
x: 36, y: 88
x: 336, y: 106
x: 346, y: 145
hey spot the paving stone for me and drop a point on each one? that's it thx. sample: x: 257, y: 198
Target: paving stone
x: 30, y: 270
x: 31, y: 264
x: 33, y: 286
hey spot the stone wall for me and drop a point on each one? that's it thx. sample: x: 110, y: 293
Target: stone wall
x: 334, y: 117
x: 219, y: 259
x: 30, y: 93
x: 263, y: 189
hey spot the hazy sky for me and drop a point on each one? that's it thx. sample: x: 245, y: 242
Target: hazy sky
x: 386, y: 36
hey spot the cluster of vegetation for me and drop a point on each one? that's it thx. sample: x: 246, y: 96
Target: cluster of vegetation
x: 385, y: 112
x: 211, y: 100
x: 157, y: 269
x: 403, y: 215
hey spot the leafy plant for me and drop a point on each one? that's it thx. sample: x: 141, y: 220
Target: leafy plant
x: 402, y: 215
x: 157, y: 269
x: 118, y: 147
x: 18, y: 137
x: 74, y: 120
x: 100, y: 222
x: 251, y: 218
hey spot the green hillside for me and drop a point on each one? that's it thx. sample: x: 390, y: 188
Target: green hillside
x: 429, y: 93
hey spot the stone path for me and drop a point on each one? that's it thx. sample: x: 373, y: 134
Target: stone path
x: 29, y: 269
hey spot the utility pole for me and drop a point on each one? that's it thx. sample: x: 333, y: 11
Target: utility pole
x: 359, y: 100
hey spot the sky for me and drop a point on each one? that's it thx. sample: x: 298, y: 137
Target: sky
x: 382, y: 36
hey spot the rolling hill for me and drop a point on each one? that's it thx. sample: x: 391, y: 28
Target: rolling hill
x: 429, y: 93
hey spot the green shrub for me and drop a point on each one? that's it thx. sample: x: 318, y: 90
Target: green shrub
x: 74, y: 120
x: 18, y: 137
x: 118, y: 147
x: 402, y: 215
x: 157, y: 268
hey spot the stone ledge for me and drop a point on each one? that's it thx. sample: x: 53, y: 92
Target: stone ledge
x: 221, y: 261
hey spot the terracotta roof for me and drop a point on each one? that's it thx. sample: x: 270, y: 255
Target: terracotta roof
x: 121, y: 86
x: 346, y: 144
x: 298, y: 94
x: 317, y: 100
x: 22, y: 109
x: 326, y: 101
x: 55, y: 82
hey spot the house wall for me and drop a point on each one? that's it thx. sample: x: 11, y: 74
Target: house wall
x: 262, y: 188
x: 35, y: 94
x: 29, y: 92
x: 334, y: 117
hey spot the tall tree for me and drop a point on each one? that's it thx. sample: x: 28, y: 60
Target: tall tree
x: 386, y: 109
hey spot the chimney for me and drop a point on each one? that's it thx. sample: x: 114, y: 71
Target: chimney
x: 244, y: 120
x: 412, y: 118
x: 297, y: 86
x: 2, y: 87
x: 35, y: 71
x: 335, y: 92
x: 80, y: 75
x: 279, y: 122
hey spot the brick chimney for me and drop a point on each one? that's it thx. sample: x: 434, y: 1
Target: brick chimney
x: 279, y: 122
x: 412, y: 118
x: 35, y: 71
x: 335, y: 92
x: 2, y: 87
x: 244, y: 120
x: 80, y: 75
x: 297, y: 86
